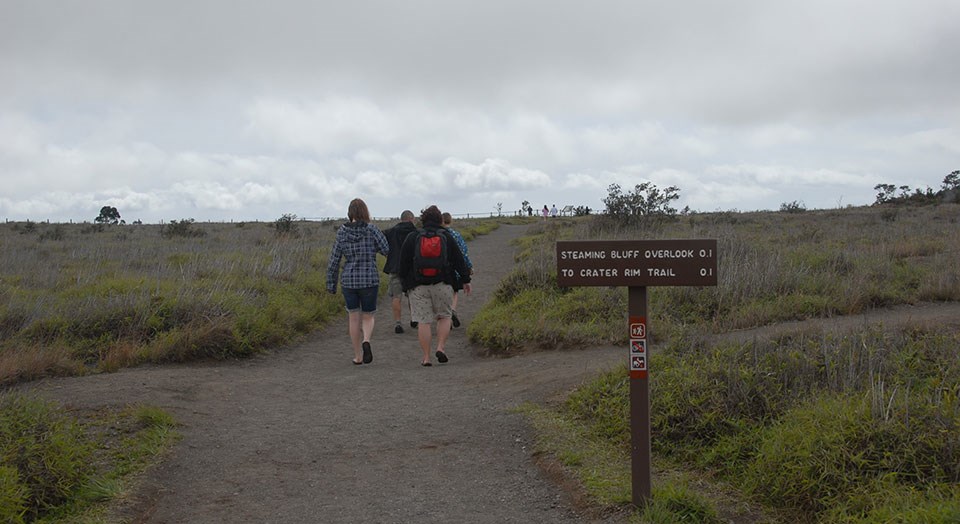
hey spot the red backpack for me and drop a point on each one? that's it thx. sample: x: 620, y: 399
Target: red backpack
x: 430, y: 256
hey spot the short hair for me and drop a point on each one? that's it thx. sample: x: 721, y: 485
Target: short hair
x: 431, y: 214
x: 406, y: 215
x: 447, y: 218
x: 357, y: 211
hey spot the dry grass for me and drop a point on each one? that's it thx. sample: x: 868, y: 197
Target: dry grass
x: 773, y: 267
x: 76, y: 297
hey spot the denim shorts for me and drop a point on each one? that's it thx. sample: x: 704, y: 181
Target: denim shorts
x: 363, y: 299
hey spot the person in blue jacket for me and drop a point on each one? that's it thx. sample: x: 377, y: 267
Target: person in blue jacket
x: 458, y: 284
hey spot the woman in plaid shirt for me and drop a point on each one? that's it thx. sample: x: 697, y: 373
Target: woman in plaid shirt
x: 358, y: 241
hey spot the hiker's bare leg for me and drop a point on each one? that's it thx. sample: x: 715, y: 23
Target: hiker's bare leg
x: 366, y: 321
x: 353, y: 320
x: 443, y: 331
x: 423, y: 335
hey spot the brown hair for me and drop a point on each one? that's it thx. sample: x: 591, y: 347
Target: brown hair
x: 358, y: 212
x: 447, y: 218
x: 432, y: 215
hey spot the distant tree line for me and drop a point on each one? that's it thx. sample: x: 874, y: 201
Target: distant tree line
x: 892, y: 194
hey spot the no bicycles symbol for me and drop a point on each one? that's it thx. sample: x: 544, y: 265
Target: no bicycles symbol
x: 638, y: 347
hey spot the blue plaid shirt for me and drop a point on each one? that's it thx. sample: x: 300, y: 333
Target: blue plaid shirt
x: 359, y: 243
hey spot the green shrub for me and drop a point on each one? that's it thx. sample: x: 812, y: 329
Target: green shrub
x: 46, y: 449
x: 13, y: 496
x: 908, y: 507
x: 603, y: 406
x: 286, y: 225
x: 182, y: 228
x: 835, y: 451
x: 673, y: 503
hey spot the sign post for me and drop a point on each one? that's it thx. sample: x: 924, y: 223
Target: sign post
x: 638, y: 264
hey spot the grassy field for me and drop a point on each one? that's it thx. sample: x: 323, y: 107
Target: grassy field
x: 808, y: 426
x: 772, y: 267
x: 79, y: 298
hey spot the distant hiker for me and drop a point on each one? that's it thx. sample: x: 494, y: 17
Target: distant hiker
x: 553, y: 211
x: 545, y: 211
x: 358, y: 241
x: 458, y: 281
x: 395, y: 237
x: 429, y: 259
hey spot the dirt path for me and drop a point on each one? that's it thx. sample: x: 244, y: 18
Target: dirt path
x: 302, y: 435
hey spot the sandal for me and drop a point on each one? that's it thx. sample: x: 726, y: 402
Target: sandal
x: 425, y: 364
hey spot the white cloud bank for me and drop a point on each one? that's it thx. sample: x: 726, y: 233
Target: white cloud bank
x: 217, y: 110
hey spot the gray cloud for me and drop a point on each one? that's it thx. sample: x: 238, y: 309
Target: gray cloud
x: 224, y: 109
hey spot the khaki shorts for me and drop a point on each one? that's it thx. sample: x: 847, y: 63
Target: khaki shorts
x: 394, y: 286
x: 430, y: 302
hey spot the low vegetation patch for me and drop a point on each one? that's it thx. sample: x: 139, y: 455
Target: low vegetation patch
x: 56, y: 467
x: 840, y: 428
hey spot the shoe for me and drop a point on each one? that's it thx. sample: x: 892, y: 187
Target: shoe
x: 426, y: 364
x: 355, y: 362
x: 442, y: 357
x: 456, y: 321
x: 367, y: 353
x: 413, y: 324
x: 398, y: 329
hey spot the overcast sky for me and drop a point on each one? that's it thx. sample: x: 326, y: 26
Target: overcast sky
x: 244, y: 110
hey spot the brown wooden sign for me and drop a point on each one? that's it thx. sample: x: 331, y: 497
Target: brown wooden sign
x: 634, y: 263
x: 638, y: 264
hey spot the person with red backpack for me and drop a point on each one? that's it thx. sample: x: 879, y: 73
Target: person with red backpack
x: 429, y: 262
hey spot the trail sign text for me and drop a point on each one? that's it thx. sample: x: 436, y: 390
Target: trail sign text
x: 637, y: 263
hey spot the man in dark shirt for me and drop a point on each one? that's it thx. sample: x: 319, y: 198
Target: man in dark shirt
x: 395, y: 237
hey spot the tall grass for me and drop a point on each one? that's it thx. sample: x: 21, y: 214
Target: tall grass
x: 104, y: 298
x: 772, y: 267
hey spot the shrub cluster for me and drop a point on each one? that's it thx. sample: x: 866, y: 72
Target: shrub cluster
x: 838, y: 426
x: 44, y: 458
x: 181, y: 228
